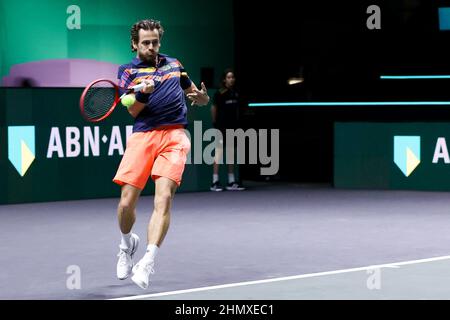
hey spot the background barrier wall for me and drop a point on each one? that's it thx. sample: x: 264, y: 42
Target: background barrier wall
x: 50, y: 119
x: 411, y: 156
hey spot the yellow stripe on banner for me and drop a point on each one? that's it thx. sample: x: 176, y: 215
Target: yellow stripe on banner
x: 411, y: 161
x: 27, y: 157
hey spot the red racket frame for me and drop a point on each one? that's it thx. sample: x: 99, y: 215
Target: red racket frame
x: 111, y: 109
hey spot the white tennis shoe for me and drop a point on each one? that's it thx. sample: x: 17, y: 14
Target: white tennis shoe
x: 142, y: 272
x: 125, y: 263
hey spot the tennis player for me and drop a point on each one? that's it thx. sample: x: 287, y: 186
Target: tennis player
x: 157, y: 147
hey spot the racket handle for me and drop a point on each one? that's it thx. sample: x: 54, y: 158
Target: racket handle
x: 138, y: 87
x: 135, y: 89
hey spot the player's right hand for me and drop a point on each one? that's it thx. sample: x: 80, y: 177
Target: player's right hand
x: 149, y: 86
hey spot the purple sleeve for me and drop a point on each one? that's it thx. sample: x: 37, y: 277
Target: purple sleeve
x: 125, y: 79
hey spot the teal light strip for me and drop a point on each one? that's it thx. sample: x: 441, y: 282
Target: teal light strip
x: 381, y: 103
x: 444, y: 18
x: 415, y: 77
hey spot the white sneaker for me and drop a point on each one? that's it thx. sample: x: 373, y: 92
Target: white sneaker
x: 142, y: 272
x: 125, y: 263
x: 234, y: 186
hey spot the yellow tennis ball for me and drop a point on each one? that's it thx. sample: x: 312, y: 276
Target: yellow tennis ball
x: 128, y: 100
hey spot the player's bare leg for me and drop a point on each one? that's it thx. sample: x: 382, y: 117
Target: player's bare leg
x: 157, y: 230
x: 160, y: 219
x: 126, y: 214
x: 126, y: 211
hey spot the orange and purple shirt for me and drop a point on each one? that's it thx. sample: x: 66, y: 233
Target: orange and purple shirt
x: 166, y: 105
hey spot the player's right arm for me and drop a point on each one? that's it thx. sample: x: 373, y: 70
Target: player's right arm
x: 125, y: 81
x: 141, y: 98
x: 135, y: 108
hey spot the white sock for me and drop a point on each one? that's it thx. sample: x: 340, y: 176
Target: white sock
x: 215, y: 178
x: 230, y: 177
x: 126, y: 240
x: 150, y: 254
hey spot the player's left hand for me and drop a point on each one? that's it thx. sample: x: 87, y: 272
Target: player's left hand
x: 199, y: 97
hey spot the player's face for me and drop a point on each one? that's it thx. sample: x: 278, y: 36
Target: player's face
x: 148, y: 46
x: 229, y: 80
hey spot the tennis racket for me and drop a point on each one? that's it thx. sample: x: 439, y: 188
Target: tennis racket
x: 100, y: 98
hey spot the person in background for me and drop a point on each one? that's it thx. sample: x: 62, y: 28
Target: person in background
x: 225, y: 115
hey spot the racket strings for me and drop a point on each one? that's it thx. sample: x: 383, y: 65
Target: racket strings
x: 98, y: 101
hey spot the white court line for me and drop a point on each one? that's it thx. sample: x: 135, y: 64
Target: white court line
x: 302, y: 276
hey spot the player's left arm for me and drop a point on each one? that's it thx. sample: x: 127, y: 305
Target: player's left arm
x: 198, y: 97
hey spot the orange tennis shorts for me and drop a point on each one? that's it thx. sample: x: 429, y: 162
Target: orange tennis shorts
x: 161, y: 152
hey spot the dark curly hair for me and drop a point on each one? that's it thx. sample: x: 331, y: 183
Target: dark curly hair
x: 224, y: 76
x: 148, y: 24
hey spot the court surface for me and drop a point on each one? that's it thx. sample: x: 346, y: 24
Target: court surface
x: 418, y: 279
x: 273, y: 241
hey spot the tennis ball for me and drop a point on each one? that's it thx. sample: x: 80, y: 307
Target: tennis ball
x: 128, y: 100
